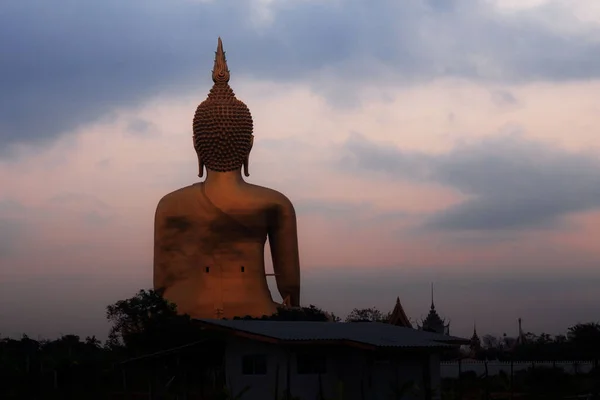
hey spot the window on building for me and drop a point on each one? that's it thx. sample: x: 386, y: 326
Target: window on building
x: 254, y: 364
x: 311, y: 363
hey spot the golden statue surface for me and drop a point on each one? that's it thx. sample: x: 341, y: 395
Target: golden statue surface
x: 209, y: 238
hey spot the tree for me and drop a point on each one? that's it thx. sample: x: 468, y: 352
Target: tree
x: 490, y: 342
x: 560, y: 339
x: 586, y: 340
x: 91, y: 341
x: 310, y: 313
x: 147, y: 322
x: 543, y: 339
x: 334, y: 318
x: 367, y: 315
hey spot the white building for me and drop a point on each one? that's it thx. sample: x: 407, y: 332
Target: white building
x: 326, y: 360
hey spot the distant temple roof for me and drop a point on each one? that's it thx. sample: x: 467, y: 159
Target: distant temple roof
x: 398, y: 316
x: 433, y: 322
x: 475, y: 341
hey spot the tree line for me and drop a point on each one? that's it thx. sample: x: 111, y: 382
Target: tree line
x: 146, y: 323
x: 582, y: 342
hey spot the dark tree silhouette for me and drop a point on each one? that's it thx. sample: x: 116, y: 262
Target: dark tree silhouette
x: 310, y: 313
x: 367, y: 315
x: 147, y: 322
x: 586, y: 340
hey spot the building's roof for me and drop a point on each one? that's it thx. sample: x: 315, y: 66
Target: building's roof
x: 398, y: 316
x: 366, y: 334
x: 475, y: 341
x: 433, y: 322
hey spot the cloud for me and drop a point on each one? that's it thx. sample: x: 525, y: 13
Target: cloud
x: 11, y: 230
x: 507, y: 181
x: 332, y: 209
x: 504, y: 98
x: 347, y: 219
x: 65, y: 222
x: 86, y: 208
x: 140, y: 127
x: 69, y: 63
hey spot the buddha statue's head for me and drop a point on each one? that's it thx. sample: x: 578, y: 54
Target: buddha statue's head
x: 222, y: 125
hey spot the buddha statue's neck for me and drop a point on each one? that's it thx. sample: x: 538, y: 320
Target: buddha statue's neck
x: 231, y: 178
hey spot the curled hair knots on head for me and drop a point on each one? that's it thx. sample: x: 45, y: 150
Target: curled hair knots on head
x: 222, y: 124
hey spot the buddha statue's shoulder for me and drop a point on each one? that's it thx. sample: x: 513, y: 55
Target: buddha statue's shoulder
x: 271, y: 197
x: 259, y: 195
x: 178, y: 196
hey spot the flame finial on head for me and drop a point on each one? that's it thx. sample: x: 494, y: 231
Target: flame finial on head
x: 220, y: 73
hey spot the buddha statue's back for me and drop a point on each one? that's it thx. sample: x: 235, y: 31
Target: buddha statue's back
x: 210, y: 236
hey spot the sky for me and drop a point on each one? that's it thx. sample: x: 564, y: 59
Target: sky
x: 444, y: 141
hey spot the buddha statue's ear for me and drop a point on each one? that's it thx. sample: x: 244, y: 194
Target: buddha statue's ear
x: 247, y: 160
x: 200, y: 167
x: 200, y: 164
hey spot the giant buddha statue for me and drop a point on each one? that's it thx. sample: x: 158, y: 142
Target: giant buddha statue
x: 209, y: 237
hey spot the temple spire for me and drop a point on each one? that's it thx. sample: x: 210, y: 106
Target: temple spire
x: 521, y: 334
x: 475, y: 344
x: 432, y: 304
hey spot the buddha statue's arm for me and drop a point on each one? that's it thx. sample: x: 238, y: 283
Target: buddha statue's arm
x: 283, y: 240
x: 168, y: 255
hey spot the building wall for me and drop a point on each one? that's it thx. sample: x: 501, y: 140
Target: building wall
x: 450, y: 369
x: 387, y: 377
x: 261, y: 386
x: 436, y: 375
x: 350, y: 373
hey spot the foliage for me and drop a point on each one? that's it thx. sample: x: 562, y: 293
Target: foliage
x: 586, y: 338
x: 582, y: 342
x: 310, y: 313
x: 367, y: 315
x: 146, y: 323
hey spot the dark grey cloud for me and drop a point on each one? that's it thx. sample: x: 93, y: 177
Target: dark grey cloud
x: 509, y: 182
x: 68, y: 62
x: 140, y: 127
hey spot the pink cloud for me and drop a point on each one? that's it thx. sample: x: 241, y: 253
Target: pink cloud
x: 87, y: 201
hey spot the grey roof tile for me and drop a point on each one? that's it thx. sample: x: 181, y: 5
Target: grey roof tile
x: 371, y: 333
